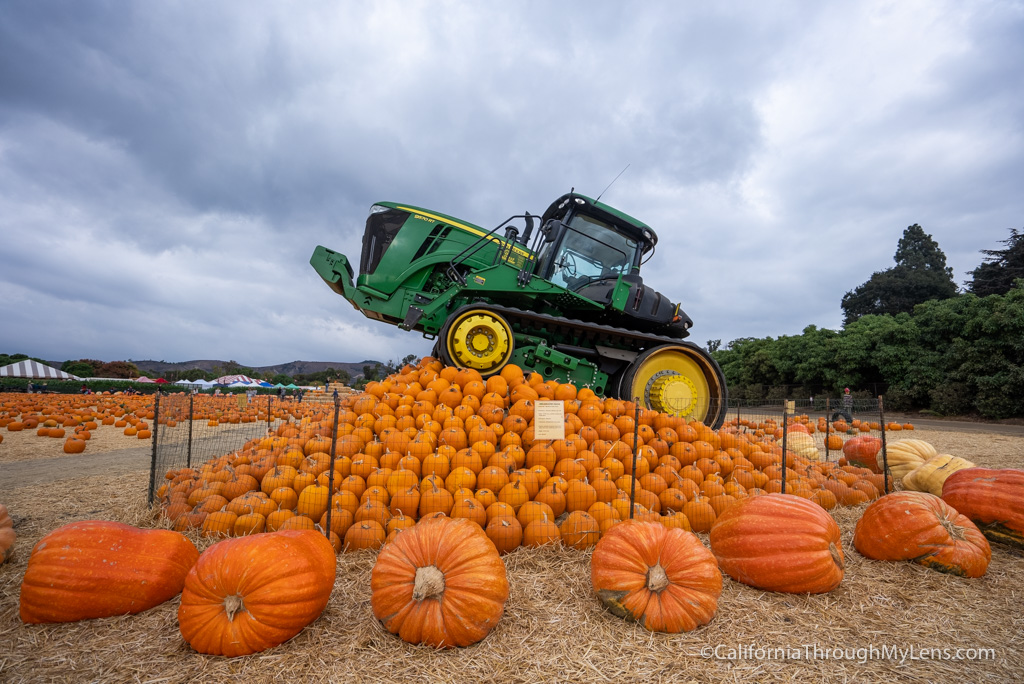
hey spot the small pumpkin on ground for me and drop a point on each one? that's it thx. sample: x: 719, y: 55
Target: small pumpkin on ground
x: 95, y: 569
x: 664, y: 579
x: 779, y: 542
x: 439, y: 583
x: 921, y: 528
x: 992, y: 499
x: 251, y: 593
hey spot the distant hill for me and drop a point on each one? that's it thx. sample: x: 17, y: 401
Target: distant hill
x: 292, y: 368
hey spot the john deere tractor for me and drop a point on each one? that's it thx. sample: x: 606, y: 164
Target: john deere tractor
x: 566, y: 300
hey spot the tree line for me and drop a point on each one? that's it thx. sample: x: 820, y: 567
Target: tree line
x: 910, y: 334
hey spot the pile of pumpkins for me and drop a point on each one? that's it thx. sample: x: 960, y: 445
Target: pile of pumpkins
x: 433, y: 439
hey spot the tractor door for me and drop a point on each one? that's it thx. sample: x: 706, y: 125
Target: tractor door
x: 586, y: 250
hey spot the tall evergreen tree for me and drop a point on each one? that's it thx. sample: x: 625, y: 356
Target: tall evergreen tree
x: 920, y: 275
x: 1000, y: 268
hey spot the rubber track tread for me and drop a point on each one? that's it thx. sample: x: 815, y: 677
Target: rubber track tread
x: 622, y: 336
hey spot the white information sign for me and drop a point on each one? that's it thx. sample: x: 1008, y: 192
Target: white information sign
x: 549, y: 420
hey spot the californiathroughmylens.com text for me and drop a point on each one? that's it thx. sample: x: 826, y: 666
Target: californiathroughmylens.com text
x: 861, y: 654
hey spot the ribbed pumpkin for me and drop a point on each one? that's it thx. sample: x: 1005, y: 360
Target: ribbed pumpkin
x: 252, y: 593
x: 7, y: 534
x: 992, y: 499
x: 664, y: 579
x: 779, y: 542
x: 906, y: 454
x: 95, y: 569
x: 929, y: 476
x: 439, y: 583
x: 922, y: 528
x: 862, y: 451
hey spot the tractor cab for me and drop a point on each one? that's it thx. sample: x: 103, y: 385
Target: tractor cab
x: 596, y: 251
x: 585, y: 241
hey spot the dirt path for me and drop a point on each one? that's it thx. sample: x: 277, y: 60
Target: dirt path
x: 29, y: 460
x: 39, y: 471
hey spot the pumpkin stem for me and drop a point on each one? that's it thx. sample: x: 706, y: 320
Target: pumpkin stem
x: 429, y: 583
x: 956, y: 532
x: 233, y: 605
x: 836, y: 558
x: 656, y: 578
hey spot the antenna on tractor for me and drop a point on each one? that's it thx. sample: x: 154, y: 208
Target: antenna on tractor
x: 612, y: 183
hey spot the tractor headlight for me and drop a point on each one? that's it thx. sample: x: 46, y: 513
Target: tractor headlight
x: 377, y: 209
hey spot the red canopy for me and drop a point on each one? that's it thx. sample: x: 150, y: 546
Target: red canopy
x: 160, y: 380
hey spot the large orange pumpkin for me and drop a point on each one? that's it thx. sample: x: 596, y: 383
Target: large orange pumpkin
x: 252, y: 593
x: 862, y: 451
x: 921, y: 527
x: 779, y: 542
x: 440, y: 583
x: 664, y: 579
x: 993, y: 499
x: 94, y: 569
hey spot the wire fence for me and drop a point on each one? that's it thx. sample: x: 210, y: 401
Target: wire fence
x: 362, y: 468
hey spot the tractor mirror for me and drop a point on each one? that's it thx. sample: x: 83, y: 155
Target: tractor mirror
x: 548, y: 229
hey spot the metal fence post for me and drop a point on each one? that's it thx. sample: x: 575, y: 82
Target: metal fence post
x: 828, y: 425
x: 330, y: 476
x: 636, y: 433
x: 156, y: 433
x: 885, y: 457
x: 191, y: 417
x: 785, y: 432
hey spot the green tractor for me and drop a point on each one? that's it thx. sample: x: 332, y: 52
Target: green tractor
x: 567, y: 302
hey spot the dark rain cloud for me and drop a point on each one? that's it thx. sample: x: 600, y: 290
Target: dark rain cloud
x: 167, y: 168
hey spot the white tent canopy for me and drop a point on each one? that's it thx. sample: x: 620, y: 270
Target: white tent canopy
x: 195, y: 383
x: 33, y: 369
x: 231, y: 379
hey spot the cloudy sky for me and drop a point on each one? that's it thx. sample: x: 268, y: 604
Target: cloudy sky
x: 167, y: 168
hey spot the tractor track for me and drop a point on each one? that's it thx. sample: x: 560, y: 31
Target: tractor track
x: 609, y: 333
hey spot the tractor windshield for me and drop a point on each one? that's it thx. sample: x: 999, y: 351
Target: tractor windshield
x: 591, y: 250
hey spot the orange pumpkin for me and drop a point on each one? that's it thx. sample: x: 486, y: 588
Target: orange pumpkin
x: 440, y: 583
x: 664, y: 579
x: 236, y: 602
x: 861, y: 451
x: 94, y: 569
x: 993, y: 499
x: 921, y: 527
x: 779, y: 542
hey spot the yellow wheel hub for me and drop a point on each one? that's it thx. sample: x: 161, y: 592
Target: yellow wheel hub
x: 672, y: 380
x: 673, y: 393
x: 481, y: 340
